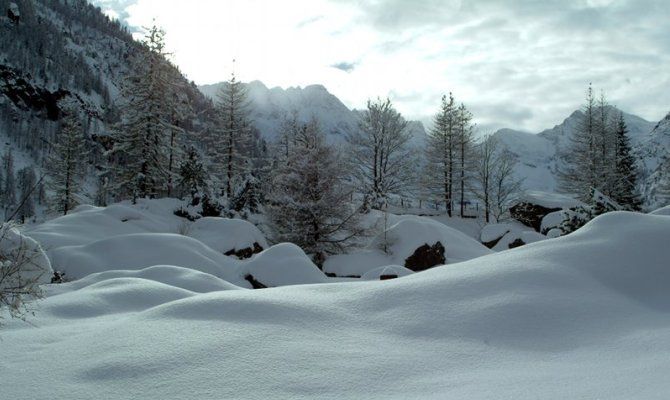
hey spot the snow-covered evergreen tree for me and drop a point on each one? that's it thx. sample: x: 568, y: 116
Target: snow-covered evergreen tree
x: 442, y: 150
x: 66, y: 164
x: 231, y: 147
x: 142, y: 142
x: 581, y: 174
x: 193, y: 177
x: 9, y: 190
x: 26, y: 182
x: 309, y: 203
x: 624, y: 183
x: 381, y: 158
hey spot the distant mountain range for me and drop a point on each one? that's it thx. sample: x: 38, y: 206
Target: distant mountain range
x: 270, y: 107
x: 539, y: 154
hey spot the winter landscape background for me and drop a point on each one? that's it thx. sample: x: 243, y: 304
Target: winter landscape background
x: 425, y: 233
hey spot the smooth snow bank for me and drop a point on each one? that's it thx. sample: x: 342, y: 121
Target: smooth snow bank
x: 138, y: 251
x: 661, y: 211
x: 582, y: 316
x: 88, y: 224
x: 224, y: 234
x: 404, y: 237
x: 549, y: 199
x: 387, y: 270
x: 18, y: 248
x: 283, y: 264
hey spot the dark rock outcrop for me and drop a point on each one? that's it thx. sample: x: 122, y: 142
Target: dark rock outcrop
x: 254, y: 283
x: 518, y: 242
x: 531, y: 214
x: 245, y: 253
x: 426, y: 257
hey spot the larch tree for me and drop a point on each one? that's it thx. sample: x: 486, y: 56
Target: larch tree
x: 9, y: 189
x: 27, y: 181
x: 66, y: 164
x: 464, y: 142
x: 381, y: 158
x: 231, y: 146
x: 442, y: 149
x: 580, y: 174
x: 309, y: 201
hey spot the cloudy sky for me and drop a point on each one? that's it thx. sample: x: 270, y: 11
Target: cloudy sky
x: 523, y: 64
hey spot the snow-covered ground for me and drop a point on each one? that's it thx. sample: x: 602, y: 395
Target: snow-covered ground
x: 582, y: 316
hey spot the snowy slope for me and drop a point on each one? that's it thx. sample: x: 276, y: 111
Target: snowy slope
x: 653, y: 152
x: 583, y: 316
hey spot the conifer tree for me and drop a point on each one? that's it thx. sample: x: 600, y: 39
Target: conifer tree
x: 441, y: 150
x: 9, y: 192
x: 142, y: 137
x: 309, y: 202
x: 464, y: 142
x: 232, y: 146
x: 26, y: 180
x: 624, y: 190
x: 66, y: 164
x: 580, y: 174
x: 193, y: 178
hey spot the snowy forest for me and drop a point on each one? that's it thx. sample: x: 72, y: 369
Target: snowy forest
x: 135, y: 201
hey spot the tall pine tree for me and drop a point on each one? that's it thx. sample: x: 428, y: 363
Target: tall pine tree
x: 624, y: 184
x: 442, y: 149
x: 66, y: 164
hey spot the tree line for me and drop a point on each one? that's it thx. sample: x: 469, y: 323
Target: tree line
x: 313, y: 192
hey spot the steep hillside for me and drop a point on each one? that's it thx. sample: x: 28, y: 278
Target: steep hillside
x: 654, y: 154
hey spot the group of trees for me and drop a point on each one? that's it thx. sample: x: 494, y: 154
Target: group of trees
x: 599, y: 156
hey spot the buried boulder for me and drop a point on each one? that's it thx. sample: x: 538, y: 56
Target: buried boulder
x: 534, y: 206
x: 426, y: 257
x: 231, y: 237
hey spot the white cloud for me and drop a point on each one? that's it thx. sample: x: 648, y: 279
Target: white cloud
x: 523, y: 64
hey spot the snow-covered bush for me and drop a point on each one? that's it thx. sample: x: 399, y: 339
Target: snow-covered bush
x: 23, y: 267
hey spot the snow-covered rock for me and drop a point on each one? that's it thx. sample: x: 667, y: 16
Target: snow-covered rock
x: 280, y: 265
x: 228, y: 236
x: 402, y: 239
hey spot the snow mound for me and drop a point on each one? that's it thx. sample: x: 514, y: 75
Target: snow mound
x: 138, y: 251
x: 586, y: 315
x: 113, y: 296
x: 180, y: 277
x: 225, y: 235
x: 282, y: 264
x: 404, y: 237
x: 17, y: 247
x: 388, y: 270
x: 492, y: 232
x: 88, y: 224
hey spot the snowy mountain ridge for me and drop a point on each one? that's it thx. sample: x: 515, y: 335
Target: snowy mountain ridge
x: 271, y: 106
x: 540, y: 155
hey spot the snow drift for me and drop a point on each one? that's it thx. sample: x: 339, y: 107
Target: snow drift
x: 582, y: 316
